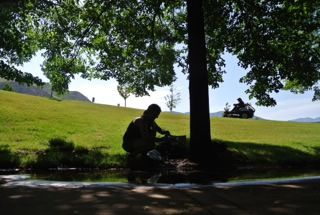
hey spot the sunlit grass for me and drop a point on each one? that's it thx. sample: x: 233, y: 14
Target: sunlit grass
x: 28, y: 123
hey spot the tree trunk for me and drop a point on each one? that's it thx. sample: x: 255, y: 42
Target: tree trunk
x: 200, y: 137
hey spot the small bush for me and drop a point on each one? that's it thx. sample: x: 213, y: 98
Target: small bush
x: 8, y: 87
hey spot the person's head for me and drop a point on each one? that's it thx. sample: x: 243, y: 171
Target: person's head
x: 152, y: 111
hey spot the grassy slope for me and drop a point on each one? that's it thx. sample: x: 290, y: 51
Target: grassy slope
x: 28, y: 123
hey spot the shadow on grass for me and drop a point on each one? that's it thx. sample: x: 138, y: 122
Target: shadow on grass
x: 265, y: 154
x: 7, y: 158
x: 62, y: 153
x: 55, y: 99
x: 229, y: 155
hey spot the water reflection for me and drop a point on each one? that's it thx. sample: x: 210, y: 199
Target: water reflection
x: 168, y: 177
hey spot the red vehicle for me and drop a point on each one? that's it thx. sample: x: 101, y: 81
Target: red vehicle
x: 244, y: 110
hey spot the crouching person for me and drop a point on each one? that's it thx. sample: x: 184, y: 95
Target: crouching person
x: 140, y: 136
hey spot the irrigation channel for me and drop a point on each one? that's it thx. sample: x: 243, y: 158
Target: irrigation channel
x: 70, y: 177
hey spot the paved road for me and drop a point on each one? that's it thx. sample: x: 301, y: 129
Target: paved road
x: 285, y: 198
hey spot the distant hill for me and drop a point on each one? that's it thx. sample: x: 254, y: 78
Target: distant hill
x: 217, y: 114
x: 220, y: 114
x: 44, y: 92
x: 258, y: 117
x: 306, y: 119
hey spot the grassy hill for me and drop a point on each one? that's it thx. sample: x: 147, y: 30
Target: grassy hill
x: 42, y: 132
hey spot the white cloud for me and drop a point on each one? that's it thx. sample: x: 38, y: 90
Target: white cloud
x: 105, y: 92
x: 156, y: 97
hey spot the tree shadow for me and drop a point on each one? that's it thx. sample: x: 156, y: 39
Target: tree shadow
x: 223, y: 154
x: 263, y: 199
x: 65, y: 154
x: 55, y: 99
x: 7, y: 158
x: 60, y: 154
x: 257, y: 154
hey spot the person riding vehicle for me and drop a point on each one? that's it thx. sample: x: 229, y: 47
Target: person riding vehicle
x: 238, y: 105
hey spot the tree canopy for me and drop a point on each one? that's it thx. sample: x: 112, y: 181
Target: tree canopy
x: 18, y: 41
x: 138, y: 42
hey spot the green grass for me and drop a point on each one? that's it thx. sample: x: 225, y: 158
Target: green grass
x: 41, y: 132
x: 274, y: 142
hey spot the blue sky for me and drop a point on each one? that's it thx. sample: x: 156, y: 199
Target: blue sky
x: 289, y: 105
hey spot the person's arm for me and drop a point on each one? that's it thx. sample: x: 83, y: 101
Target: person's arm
x: 160, y: 130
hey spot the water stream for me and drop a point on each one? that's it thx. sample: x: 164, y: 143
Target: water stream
x: 65, y: 177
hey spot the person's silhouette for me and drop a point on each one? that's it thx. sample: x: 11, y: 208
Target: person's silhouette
x: 140, y: 135
x: 238, y: 105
